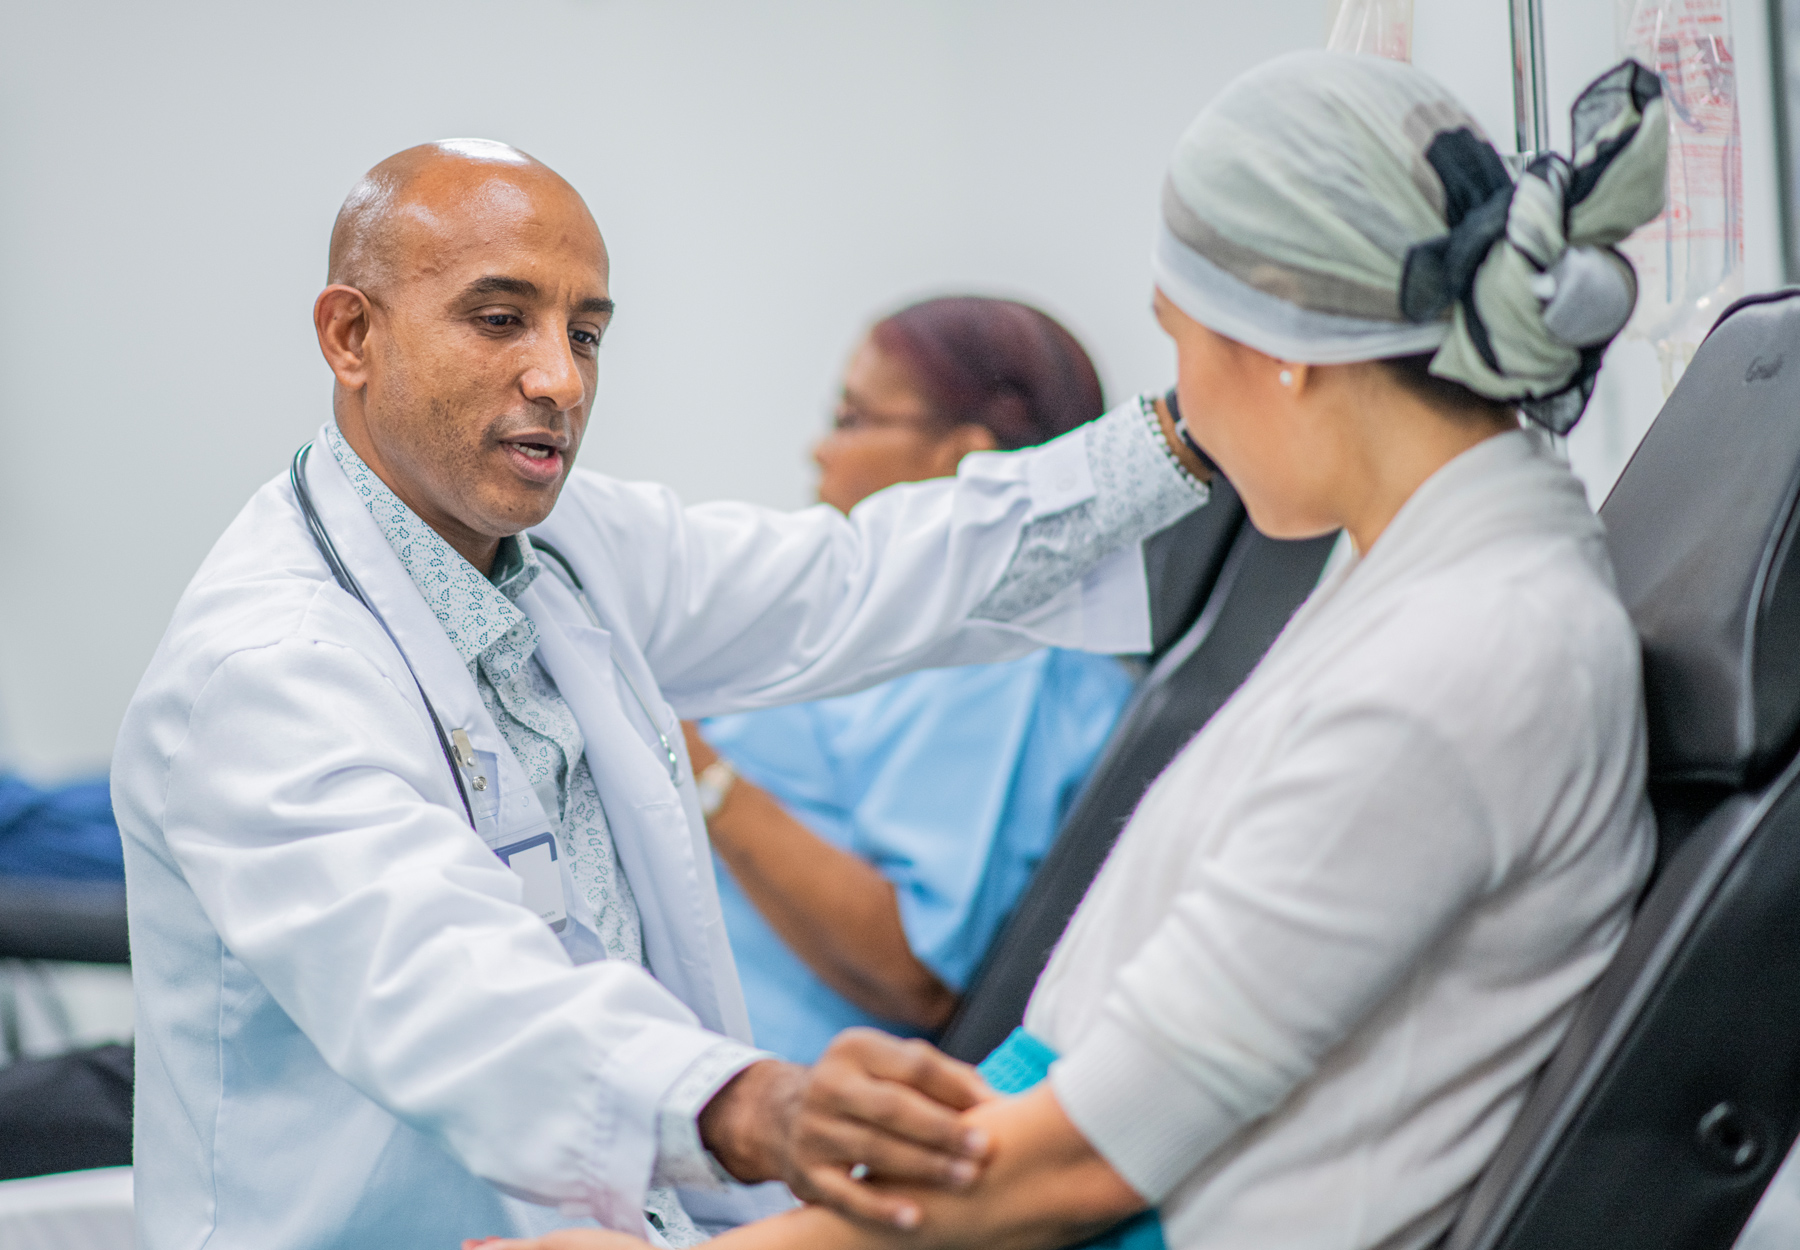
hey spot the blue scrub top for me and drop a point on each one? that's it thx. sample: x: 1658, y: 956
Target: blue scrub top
x: 952, y: 782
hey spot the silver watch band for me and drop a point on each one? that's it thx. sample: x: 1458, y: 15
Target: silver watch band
x: 714, y: 783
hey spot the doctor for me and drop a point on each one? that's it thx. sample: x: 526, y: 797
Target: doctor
x: 425, y: 935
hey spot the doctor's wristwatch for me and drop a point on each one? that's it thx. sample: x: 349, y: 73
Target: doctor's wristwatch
x: 714, y: 783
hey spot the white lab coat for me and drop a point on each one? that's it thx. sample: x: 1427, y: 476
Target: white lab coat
x: 350, y: 1031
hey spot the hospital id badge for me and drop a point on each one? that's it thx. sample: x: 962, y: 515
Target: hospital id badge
x: 534, y: 861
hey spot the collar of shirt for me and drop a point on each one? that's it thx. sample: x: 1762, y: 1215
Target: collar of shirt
x: 479, y: 615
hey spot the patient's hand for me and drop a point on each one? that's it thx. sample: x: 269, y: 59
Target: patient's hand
x: 874, y: 1100
x: 1043, y: 1185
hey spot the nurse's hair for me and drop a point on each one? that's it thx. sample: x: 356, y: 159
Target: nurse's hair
x: 1333, y: 209
x: 995, y: 363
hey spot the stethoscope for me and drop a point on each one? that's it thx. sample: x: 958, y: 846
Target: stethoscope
x: 341, y: 572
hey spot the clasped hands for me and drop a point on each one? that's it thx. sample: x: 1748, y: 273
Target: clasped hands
x: 994, y: 1172
x: 873, y: 1105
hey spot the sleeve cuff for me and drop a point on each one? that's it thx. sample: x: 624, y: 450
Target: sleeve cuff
x: 1139, y: 482
x: 682, y: 1160
x: 1145, y: 1116
x: 1133, y: 486
x: 1160, y: 441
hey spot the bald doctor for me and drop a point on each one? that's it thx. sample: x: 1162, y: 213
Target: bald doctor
x: 424, y: 928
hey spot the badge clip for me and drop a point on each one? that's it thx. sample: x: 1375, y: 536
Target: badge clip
x: 465, y: 755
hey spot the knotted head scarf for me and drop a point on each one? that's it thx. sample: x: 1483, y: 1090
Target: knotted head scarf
x: 1328, y: 208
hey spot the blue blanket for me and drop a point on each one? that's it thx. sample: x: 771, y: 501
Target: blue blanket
x: 66, y: 831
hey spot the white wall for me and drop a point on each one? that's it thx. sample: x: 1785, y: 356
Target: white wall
x: 769, y: 176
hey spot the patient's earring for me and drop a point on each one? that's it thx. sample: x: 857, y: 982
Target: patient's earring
x: 1285, y: 377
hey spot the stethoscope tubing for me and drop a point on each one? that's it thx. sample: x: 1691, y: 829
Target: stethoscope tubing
x: 341, y: 573
x: 574, y: 581
x: 322, y: 540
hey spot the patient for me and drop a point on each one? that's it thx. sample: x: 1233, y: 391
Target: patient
x: 876, y: 842
x: 1303, y: 1000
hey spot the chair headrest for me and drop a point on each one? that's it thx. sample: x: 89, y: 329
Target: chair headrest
x: 1702, y: 526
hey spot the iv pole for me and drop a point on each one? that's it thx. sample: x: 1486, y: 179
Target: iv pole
x: 1531, y: 90
x: 1531, y: 104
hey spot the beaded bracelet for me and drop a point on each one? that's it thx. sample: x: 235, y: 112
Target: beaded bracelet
x: 1147, y: 406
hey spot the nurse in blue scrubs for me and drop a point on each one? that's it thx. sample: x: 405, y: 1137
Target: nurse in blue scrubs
x: 872, y: 845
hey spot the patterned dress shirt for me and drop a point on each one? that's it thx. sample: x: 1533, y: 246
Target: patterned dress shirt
x: 498, y: 642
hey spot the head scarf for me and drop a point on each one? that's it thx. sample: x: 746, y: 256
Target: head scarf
x: 1328, y: 208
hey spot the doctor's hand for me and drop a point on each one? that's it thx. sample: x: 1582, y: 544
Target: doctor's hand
x: 873, y: 1106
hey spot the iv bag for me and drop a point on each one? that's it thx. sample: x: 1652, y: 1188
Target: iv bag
x: 1690, y: 260
x: 1374, y: 27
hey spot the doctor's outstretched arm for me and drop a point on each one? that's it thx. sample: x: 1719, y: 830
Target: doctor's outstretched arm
x: 741, y: 607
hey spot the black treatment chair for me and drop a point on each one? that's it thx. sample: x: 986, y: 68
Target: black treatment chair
x: 70, y: 1111
x: 50, y: 918
x: 57, y: 920
x: 1665, y: 1113
x: 1220, y: 592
